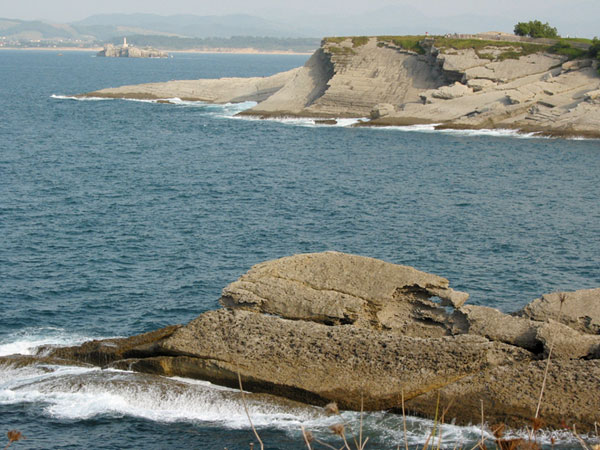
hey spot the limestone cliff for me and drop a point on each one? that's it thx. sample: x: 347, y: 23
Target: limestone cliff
x: 453, y: 83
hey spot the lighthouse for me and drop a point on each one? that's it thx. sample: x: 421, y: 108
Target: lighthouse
x: 124, y: 42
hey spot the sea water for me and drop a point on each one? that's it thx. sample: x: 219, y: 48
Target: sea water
x: 119, y: 217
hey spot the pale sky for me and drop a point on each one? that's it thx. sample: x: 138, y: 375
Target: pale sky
x: 564, y: 14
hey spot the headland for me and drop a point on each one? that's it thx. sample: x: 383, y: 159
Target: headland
x: 465, y: 82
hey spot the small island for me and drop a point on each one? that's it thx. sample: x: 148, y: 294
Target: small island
x: 129, y: 51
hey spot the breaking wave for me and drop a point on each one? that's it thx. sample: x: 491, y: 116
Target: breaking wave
x: 28, y: 340
x: 83, y: 393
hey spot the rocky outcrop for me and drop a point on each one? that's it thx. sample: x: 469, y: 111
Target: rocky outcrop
x: 223, y: 90
x: 336, y: 327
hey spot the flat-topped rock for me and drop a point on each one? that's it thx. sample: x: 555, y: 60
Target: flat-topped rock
x: 222, y: 90
x: 337, y: 288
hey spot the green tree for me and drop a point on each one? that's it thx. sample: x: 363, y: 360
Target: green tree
x: 535, y: 29
x: 594, y: 49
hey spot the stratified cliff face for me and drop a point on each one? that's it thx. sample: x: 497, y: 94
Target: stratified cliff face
x: 352, y: 80
x: 493, y: 86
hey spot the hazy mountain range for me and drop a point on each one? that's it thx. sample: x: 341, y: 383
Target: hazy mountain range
x: 395, y: 20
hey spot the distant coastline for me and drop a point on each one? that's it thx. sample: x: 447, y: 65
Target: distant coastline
x: 234, y: 51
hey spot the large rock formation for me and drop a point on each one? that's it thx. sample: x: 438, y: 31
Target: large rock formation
x: 335, y: 327
x: 492, y: 85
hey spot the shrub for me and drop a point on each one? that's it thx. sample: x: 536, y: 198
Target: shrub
x: 411, y: 43
x: 535, y: 29
x: 564, y: 48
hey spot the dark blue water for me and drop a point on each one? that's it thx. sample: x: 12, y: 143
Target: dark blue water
x: 118, y: 217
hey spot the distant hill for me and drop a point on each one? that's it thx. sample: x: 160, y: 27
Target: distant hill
x: 301, y: 45
x: 110, y: 25
x: 182, y: 32
x: 393, y: 19
x: 13, y: 29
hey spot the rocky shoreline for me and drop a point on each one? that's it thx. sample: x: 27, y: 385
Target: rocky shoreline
x: 326, y: 327
x: 494, y: 85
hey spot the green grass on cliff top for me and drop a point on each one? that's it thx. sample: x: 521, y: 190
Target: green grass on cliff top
x: 512, y: 50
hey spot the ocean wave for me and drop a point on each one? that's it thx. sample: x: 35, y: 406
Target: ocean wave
x: 225, y: 110
x: 82, y: 393
x: 431, y: 128
x: 81, y: 99
x: 75, y: 393
x: 28, y: 340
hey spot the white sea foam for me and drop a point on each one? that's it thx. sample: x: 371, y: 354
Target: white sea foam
x: 230, y: 110
x: 305, y: 121
x: 28, y: 340
x: 82, y: 99
x: 431, y: 128
x: 220, y: 110
x: 80, y: 393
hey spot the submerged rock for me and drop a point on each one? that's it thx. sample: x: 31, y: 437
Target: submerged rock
x: 330, y: 326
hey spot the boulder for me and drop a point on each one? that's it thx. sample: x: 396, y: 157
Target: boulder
x: 592, y: 96
x: 548, y: 77
x: 461, y: 60
x: 337, y: 288
x: 536, y: 336
x: 518, y: 96
x: 576, y: 64
x: 566, y: 343
x: 497, y: 326
x: 457, y: 90
x: 580, y: 309
x: 382, y: 110
x: 479, y: 84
